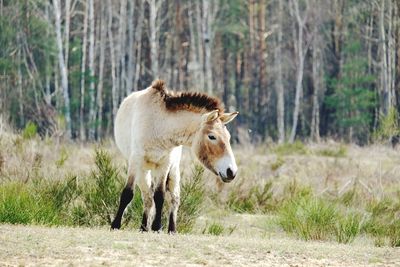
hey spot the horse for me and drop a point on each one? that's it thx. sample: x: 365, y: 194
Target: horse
x: 151, y: 126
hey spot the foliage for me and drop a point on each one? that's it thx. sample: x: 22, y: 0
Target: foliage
x: 388, y: 127
x: 348, y: 227
x: 20, y: 205
x: 308, y: 217
x: 290, y: 148
x: 353, y: 98
x: 214, y: 229
x: 335, y: 153
x: 192, y: 199
x: 29, y: 131
x: 257, y: 199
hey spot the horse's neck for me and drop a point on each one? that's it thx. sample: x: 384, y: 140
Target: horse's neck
x: 180, y: 128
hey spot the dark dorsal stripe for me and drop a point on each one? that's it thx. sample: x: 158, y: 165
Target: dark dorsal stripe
x: 190, y: 101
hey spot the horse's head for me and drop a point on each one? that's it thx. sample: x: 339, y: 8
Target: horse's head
x: 211, y: 145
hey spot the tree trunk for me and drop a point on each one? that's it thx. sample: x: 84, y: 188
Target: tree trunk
x: 113, y: 65
x: 82, y: 132
x: 280, y: 106
x: 131, y: 48
x: 92, y: 112
x: 138, y: 39
x: 300, y: 68
x: 63, y: 68
x: 207, y: 37
x: 153, y: 10
x: 103, y: 36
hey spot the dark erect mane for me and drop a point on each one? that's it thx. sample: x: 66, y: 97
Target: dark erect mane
x: 190, y: 101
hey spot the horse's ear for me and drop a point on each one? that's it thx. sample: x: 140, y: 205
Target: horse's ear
x: 210, y: 116
x: 228, y: 117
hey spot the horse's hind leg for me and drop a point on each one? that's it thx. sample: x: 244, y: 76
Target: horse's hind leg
x: 125, y: 199
x: 173, y: 186
x: 145, y: 185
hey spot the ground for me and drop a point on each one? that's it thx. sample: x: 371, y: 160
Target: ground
x: 41, y: 246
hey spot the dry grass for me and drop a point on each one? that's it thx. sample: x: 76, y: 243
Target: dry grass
x: 82, y: 246
x: 268, y: 174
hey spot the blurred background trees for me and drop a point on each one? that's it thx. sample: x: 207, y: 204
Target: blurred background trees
x: 295, y: 69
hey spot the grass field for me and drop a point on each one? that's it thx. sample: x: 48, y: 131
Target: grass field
x: 41, y: 246
x: 325, y: 204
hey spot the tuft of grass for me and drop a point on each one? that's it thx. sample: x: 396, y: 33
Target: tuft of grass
x: 192, y: 199
x: 341, y: 152
x: 310, y: 218
x: 214, y: 229
x: 29, y: 131
x: 348, y: 227
x: 277, y: 164
x: 384, y: 221
x: 20, y: 205
x: 258, y: 199
x: 297, y: 148
x: 62, y: 158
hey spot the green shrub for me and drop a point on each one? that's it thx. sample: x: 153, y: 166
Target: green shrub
x: 20, y: 205
x: 214, y: 229
x: 348, y: 227
x: 308, y: 218
x: 29, y: 131
x: 277, y: 164
x: 341, y: 152
x: 192, y: 199
x: 388, y: 127
x: 290, y: 148
x: 384, y: 221
x: 257, y: 199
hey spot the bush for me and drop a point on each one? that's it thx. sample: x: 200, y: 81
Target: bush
x: 20, y: 205
x: 192, y: 199
x: 335, y: 153
x: 214, y: 229
x: 308, y: 217
x: 290, y: 148
x: 257, y: 199
x: 29, y: 131
x: 348, y: 227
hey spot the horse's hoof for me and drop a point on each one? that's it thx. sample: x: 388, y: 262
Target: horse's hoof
x: 115, y: 226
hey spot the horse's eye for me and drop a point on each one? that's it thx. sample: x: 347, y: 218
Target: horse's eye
x: 212, y: 137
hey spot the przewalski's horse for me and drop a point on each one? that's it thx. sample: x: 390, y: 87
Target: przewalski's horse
x: 151, y: 127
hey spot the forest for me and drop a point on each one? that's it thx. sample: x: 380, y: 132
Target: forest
x: 295, y: 69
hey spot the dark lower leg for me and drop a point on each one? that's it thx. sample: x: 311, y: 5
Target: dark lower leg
x: 159, y: 202
x: 172, y: 223
x: 126, y: 197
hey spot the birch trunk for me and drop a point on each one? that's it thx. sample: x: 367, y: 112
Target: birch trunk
x: 63, y: 68
x: 207, y: 36
x: 384, y: 65
x: 113, y: 64
x: 300, y: 68
x: 103, y: 36
x: 316, y: 69
x: 121, y: 67
x: 82, y: 132
x: 138, y: 41
x: 153, y: 29
x: 92, y: 112
x: 280, y: 91
x: 131, y: 48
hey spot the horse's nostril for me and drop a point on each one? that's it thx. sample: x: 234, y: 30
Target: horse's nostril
x: 230, y: 174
